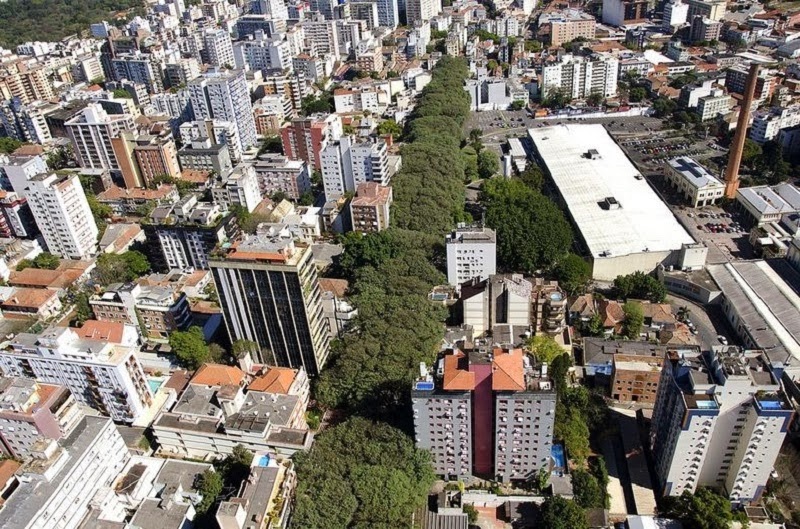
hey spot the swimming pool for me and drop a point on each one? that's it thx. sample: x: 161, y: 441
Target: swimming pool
x: 263, y: 461
x: 557, y: 453
x: 154, y: 384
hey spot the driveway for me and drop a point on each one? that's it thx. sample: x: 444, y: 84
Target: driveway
x: 709, y: 321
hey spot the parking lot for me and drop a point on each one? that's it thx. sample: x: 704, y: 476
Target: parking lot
x: 724, y: 233
x: 499, y: 125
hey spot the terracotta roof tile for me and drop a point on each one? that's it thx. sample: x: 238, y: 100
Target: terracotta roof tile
x: 7, y: 469
x: 337, y: 286
x: 276, y: 380
x: 507, y: 370
x: 217, y: 375
x: 106, y: 331
x: 456, y: 374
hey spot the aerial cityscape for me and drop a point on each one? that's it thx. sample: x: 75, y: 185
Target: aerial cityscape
x: 399, y: 264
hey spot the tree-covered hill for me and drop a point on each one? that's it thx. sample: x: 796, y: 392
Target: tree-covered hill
x: 51, y: 20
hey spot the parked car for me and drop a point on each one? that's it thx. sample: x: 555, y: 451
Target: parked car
x: 722, y: 339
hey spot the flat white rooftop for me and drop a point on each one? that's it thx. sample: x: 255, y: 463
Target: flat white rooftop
x: 615, y: 209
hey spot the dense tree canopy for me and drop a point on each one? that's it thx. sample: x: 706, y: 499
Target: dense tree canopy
x: 560, y: 513
x: 702, y: 510
x: 120, y: 268
x: 532, y: 232
x: 573, y: 273
x: 190, y: 347
x: 397, y: 327
x: 44, y: 261
x: 634, y: 319
x: 639, y: 285
x: 360, y: 474
x: 25, y: 20
x: 429, y: 191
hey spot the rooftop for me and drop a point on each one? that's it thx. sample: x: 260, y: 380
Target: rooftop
x: 276, y: 380
x: 637, y: 221
x: 694, y: 173
x: 769, y: 308
x: 771, y: 200
x: 218, y: 375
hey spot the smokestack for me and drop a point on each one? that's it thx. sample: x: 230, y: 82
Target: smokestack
x: 735, y: 156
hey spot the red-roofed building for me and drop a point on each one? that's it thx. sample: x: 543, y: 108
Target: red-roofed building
x: 486, y: 413
x: 218, y: 375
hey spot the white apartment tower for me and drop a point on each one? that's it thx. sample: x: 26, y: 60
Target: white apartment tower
x: 388, y: 13
x: 91, y: 131
x: 422, y: 10
x: 346, y: 164
x: 471, y: 252
x: 675, y: 15
x: 62, y: 213
x: 57, y: 489
x: 580, y: 76
x: 268, y: 54
x: 104, y: 375
x: 218, y: 47
x: 719, y: 421
x: 224, y: 96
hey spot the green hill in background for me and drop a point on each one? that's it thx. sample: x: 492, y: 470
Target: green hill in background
x: 51, y: 20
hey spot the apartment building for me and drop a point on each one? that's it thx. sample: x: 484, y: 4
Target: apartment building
x: 137, y: 67
x: 698, y: 187
x: 501, y: 305
x: 277, y: 173
x: 266, y: 494
x: 634, y: 378
x: 205, y: 155
x: 346, y: 164
x: 305, y: 138
x: 485, y: 413
x: 57, y: 487
x: 223, y: 95
x: 238, y: 188
x: 369, y: 209
x: 91, y: 131
x: 569, y: 25
x: 719, y: 421
x: 581, y: 76
x: 269, y: 292
x: 31, y: 412
x: 422, y: 10
x: 101, y: 372
x: 736, y: 81
x: 215, y: 413
x: 768, y: 125
x: 358, y: 100
x: 471, y: 252
x: 62, y: 213
x: 714, y: 104
x: 624, y: 12
x: 183, y: 234
x: 713, y: 9
x: 270, y: 54
x: 218, y: 47
x: 704, y: 30
x: 369, y: 55
x: 159, y: 310
x: 676, y: 12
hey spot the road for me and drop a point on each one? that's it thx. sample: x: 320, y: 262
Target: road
x: 709, y: 321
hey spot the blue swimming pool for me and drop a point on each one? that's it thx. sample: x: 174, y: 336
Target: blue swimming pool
x: 154, y: 384
x: 557, y: 453
x: 263, y: 461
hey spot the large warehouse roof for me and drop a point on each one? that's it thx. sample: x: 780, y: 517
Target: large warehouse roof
x: 768, y: 307
x: 615, y: 209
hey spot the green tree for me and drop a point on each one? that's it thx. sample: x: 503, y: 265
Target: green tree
x: 46, y: 261
x: 544, y: 348
x: 518, y: 105
x: 573, y: 273
x: 121, y: 268
x: 639, y: 285
x: 240, y: 348
x: 9, y: 145
x: 488, y: 163
x: 470, y: 158
x: 593, y: 327
x: 316, y: 104
x: 389, y: 126
x: 472, y: 514
x: 83, y: 310
x: 637, y: 94
x: 533, y: 176
x: 209, y: 485
x: 560, y: 513
x: 702, y: 510
x: 634, y: 319
x: 556, y: 98
x: 190, y: 347
x: 122, y: 93
x: 271, y: 144
x: 663, y: 107
x: 532, y: 232
x: 387, y: 478
x: 588, y: 492
x: 235, y: 468
x: 595, y: 99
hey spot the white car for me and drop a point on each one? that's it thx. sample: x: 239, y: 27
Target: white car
x: 722, y: 339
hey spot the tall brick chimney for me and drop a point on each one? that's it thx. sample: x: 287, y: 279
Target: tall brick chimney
x: 735, y: 156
